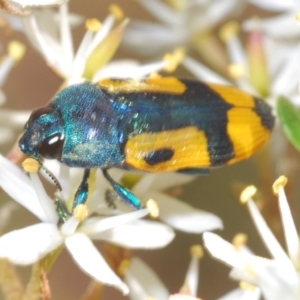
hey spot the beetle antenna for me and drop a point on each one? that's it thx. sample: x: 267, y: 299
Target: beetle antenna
x: 54, y: 179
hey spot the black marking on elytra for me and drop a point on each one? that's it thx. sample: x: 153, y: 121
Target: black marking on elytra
x: 158, y: 156
x: 264, y: 111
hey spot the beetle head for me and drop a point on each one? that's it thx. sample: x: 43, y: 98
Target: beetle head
x: 44, y: 134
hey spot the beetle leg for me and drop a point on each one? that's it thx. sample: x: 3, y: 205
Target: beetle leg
x: 126, y: 196
x: 62, y: 210
x: 83, y: 189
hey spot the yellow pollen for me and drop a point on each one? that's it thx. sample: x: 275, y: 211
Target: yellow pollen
x: 30, y: 165
x: 123, y: 267
x: 93, y: 24
x: 229, y: 30
x: 197, y: 251
x: 153, y: 208
x: 150, y: 298
x: 172, y: 60
x: 239, y: 240
x: 246, y: 286
x: 236, y: 70
x: 16, y: 50
x: 248, y: 193
x: 116, y: 11
x: 280, y: 182
x: 80, y: 212
x: 297, y: 17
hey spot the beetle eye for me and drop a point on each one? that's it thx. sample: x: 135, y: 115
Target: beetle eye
x: 52, y: 146
x: 40, y: 112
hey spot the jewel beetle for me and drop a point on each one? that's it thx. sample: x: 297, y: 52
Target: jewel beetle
x: 160, y: 124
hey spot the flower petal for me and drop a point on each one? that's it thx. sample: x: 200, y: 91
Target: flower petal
x: 159, y: 182
x: 39, y: 2
x: 97, y: 225
x: 275, y: 279
x: 242, y: 294
x: 183, y: 216
x: 182, y: 297
x: 11, y: 177
x: 289, y: 228
x: 274, y: 5
x: 283, y: 26
x: 91, y: 261
x: 221, y: 249
x: 139, y: 234
x: 202, y: 72
x: 143, y: 282
x: 28, y: 245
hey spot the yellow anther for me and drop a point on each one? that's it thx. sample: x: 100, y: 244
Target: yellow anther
x: 297, y: 17
x: 93, y: 24
x: 280, y: 182
x: 30, y: 165
x: 239, y: 240
x: 124, y: 265
x: 153, y: 208
x: 197, y: 251
x: 247, y: 286
x: 172, y: 60
x: 248, y: 193
x: 236, y: 70
x: 229, y: 30
x: 116, y: 11
x: 16, y: 50
x: 81, y: 212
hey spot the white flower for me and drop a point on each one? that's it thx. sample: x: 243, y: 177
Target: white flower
x: 278, y: 277
x: 181, y: 22
x: 145, y: 186
x: 28, y: 245
x: 25, y: 3
x: 172, y: 211
x: 263, y: 67
x: 10, y: 120
x: 283, y: 28
x: 277, y: 5
x: 144, y: 283
x: 51, y: 35
x: 283, y: 25
x: 21, y: 7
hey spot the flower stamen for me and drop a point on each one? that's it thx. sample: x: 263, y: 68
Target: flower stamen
x: 153, y: 208
x: 239, y: 240
x: 172, y: 60
x: 247, y: 193
x: 116, y: 11
x: 81, y: 212
x: 197, y: 251
x: 280, y: 182
x: 16, y: 50
x: 246, y: 286
x: 236, y: 70
x: 31, y: 165
x: 229, y: 30
x: 124, y: 265
x: 93, y: 25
